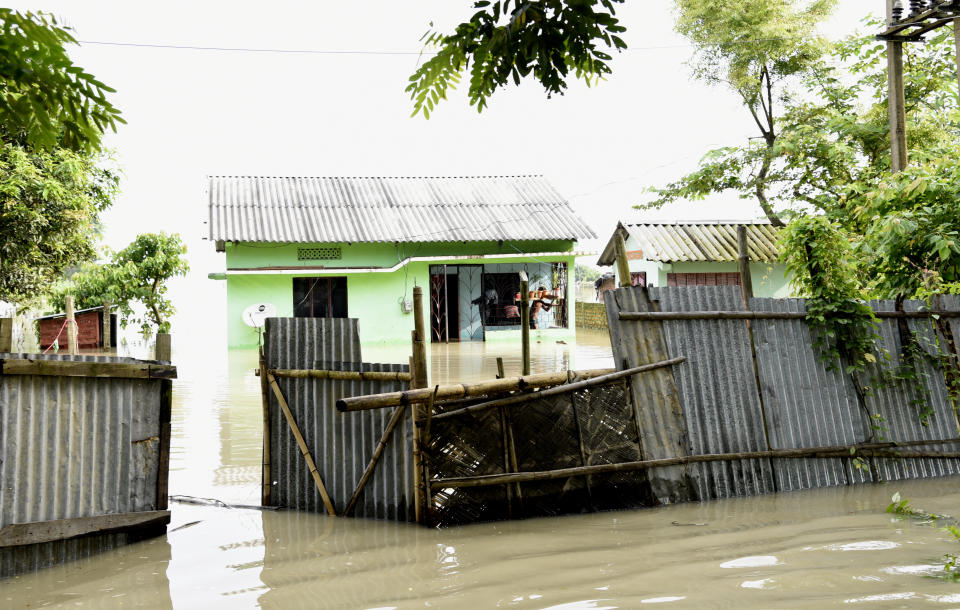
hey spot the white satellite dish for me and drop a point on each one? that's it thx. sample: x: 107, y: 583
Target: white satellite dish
x: 256, y: 314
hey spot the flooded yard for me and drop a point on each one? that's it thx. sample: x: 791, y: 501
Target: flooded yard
x: 827, y: 547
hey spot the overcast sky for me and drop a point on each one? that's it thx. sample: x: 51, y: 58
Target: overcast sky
x: 342, y: 109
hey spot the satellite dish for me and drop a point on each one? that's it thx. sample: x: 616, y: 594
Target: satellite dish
x: 256, y: 314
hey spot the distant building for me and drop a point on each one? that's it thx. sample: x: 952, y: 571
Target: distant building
x: 355, y: 247
x: 90, y: 329
x: 699, y: 254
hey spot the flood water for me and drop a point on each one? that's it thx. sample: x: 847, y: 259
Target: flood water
x: 821, y: 548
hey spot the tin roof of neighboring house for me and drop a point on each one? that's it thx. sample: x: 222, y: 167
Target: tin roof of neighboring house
x: 389, y: 209
x: 673, y: 242
x: 76, y: 313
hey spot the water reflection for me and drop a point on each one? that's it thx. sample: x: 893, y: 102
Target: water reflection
x: 752, y: 552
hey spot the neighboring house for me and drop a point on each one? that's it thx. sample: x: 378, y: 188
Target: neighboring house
x: 698, y: 254
x: 90, y: 327
x: 356, y: 247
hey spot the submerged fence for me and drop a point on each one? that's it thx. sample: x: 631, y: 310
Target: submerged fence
x: 764, y: 387
x: 84, y: 455
x: 709, y: 399
x: 300, y: 355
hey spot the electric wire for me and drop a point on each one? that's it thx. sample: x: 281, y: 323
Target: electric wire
x: 387, y: 52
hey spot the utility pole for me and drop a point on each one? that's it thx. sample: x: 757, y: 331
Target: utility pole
x: 897, y: 103
x: 923, y: 17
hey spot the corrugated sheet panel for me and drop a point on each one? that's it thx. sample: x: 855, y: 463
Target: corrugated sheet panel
x: 77, y: 446
x: 341, y: 443
x: 653, y: 395
x: 387, y: 209
x: 806, y: 405
x: 914, y: 408
x: 696, y: 242
x: 718, y: 390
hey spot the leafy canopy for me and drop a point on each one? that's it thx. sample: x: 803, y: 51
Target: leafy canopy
x: 45, y: 99
x: 511, y: 39
x: 50, y: 206
x: 136, y: 275
x: 832, y: 142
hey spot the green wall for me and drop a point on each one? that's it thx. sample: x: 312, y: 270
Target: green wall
x: 248, y: 255
x: 372, y: 297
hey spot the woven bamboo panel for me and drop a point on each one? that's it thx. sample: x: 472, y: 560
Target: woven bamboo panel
x: 592, y: 426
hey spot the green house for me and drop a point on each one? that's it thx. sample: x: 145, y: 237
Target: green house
x: 699, y: 254
x: 356, y: 247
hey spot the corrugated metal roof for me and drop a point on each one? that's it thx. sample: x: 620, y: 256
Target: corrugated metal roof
x: 387, y: 209
x: 696, y: 241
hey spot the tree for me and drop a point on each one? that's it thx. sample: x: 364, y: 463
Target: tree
x: 831, y: 144
x: 45, y: 99
x: 138, y: 274
x: 511, y: 39
x: 757, y: 48
x: 54, y: 180
x: 50, y: 206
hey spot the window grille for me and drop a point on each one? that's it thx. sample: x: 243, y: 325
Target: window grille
x: 318, y: 254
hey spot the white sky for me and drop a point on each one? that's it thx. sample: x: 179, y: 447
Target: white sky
x: 191, y: 113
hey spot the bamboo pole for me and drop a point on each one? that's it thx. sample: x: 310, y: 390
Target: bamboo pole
x: 266, y: 492
x: 461, y: 390
x: 833, y: 452
x: 418, y: 381
x: 71, y: 327
x: 107, y: 339
x: 426, y: 492
x: 342, y: 375
x: 395, y: 419
x: 560, y: 389
x: 525, y: 326
x: 743, y: 262
x: 764, y: 315
x: 623, y: 265
x: 302, y: 444
x: 419, y: 342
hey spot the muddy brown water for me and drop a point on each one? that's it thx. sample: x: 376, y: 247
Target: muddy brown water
x: 821, y: 548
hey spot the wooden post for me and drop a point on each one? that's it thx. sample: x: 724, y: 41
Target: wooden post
x: 266, y: 492
x: 418, y: 380
x: 6, y: 335
x: 500, y: 373
x: 896, y: 102
x: 623, y: 265
x: 525, y: 326
x: 71, y: 326
x: 163, y: 350
x: 107, y: 338
x: 743, y: 260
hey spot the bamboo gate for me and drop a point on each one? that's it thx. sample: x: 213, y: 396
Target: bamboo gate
x: 709, y: 399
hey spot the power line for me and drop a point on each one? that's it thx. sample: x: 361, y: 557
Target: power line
x: 379, y: 52
x: 252, y: 49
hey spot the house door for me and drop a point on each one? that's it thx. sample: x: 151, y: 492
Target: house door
x: 456, y: 303
x: 444, y: 303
